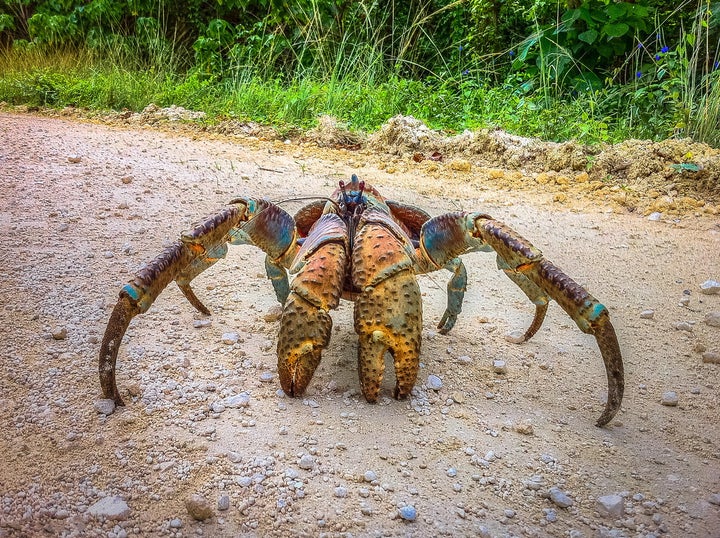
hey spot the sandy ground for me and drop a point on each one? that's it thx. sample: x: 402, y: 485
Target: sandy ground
x: 84, y: 205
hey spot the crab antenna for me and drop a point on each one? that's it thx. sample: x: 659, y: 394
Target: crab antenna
x: 362, y: 188
x: 342, y: 189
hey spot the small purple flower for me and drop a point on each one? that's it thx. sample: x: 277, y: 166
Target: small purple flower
x: 638, y: 74
x: 657, y: 57
x: 665, y: 49
x: 511, y: 53
x: 640, y: 45
x: 466, y: 72
x: 716, y: 64
x: 460, y: 48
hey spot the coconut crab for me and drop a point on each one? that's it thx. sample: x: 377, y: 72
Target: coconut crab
x: 358, y: 246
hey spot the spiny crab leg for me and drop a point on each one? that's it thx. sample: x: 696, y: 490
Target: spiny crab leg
x: 245, y: 221
x: 447, y: 236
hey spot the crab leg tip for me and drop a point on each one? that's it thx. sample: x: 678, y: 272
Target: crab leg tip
x: 125, y: 309
x: 610, y: 351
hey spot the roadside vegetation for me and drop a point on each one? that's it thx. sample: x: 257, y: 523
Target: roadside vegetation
x: 590, y: 70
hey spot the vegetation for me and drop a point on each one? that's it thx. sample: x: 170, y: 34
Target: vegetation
x: 592, y: 70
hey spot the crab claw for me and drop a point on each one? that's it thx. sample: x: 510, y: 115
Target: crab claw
x: 304, y: 333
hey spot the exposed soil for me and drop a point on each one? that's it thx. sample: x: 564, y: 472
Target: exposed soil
x: 84, y: 204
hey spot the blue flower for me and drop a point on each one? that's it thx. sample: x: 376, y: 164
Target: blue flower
x: 716, y: 64
x: 657, y: 57
x: 511, y: 53
x: 640, y: 45
x: 466, y: 72
x: 460, y: 48
x: 638, y: 74
x: 665, y: 49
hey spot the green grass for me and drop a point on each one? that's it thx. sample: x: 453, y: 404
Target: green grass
x: 119, y: 81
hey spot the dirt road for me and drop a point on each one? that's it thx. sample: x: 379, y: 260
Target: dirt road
x: 492, y: 452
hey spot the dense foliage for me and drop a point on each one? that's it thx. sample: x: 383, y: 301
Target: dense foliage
x: 624, y: 68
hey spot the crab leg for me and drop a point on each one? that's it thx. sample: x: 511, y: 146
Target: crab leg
x: 449, y: 235
x: 246, y: 221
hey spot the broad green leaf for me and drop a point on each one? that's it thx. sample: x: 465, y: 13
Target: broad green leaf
x: 617, y: 29
x: 588, y: 36
x: 616, y: 11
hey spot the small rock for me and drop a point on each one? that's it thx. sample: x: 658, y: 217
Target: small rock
x: 655, y: 216
x: 74, y: 159
x: 370, y: 476
x: 198, y: 507
x: 710, y: 287
x: 111, y: 508
x: 230, y: 338
x: 509, y: 513
x: 647, y: 314
x: 711, y: 357
x: 460, y: 165
x: 59, y: 333
x: 200, y: 323
x: 408, y: 513
x: 712, y: 319
x: 176, y: 523
x: 126, y: 179
x: 683, y: 326
x: 525, y: 428
x: 669, y: 398
x: 515, y: 337
x: 237, y: 400
x: 267, y: 377
x: 104, y: 406
x: 560, y: 498
x: 433, y: 382
x: 306, y: 462
x: 458, y: 397
x: 451, y: 472
x: 274, y: 314
x: 341, y: 492
x: 610, y: 506
x: 499, y: 367
x: 714, y: 499
x: 223, y: 503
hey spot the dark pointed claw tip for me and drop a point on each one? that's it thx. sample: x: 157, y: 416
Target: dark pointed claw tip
x: 124, y: 311
x: 540, y: 311
x: 610, y: 351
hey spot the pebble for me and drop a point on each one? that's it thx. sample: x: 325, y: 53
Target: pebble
x: 525, y: 428
x: 711, y: 357
x: 223, y: 503
x: 655, y: 216
x: 499, y: 367
x: 647, y: 314
x: 433, y: 382
x: 683, y: 326
x: 74, y: 159
x: 370, y: 476
x: 550, y: 515
x: 515, y: 337
x: 408, y: 513
x: 267, y: 377
x: 712, y: 319
x: 714, y: 499
x: 341, y: 492
x: 105, y: 406
x: 669, y: 398
x: 59, y: 333
x: 176, y: 523
x: 237, y: 400
x: 200, y: 323
x: 306, y: 462
x: 611, y: 506
x: 560, y: 498
x: 451, y: 472
x: 274, y: 314
x: 111, y: 508
x: 198, y: 507
x: 230, y: 338
x: 710, y: 287
x: 126, y: 179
